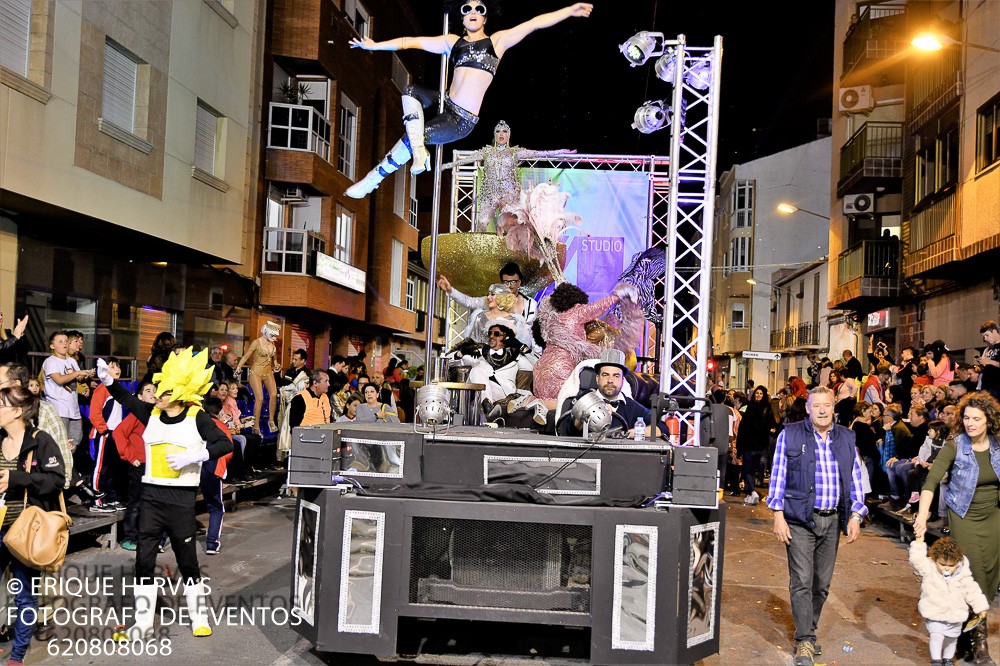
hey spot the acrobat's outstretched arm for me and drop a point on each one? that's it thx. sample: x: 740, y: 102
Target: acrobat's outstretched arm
x: 474, y: 157
x: 441, y: 44
x: 505, y: 39
x: 525, y: 154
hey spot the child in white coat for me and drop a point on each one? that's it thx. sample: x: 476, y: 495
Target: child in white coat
x: 947, y: 591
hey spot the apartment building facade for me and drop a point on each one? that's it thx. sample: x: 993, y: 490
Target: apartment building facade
x: 752, y: 241
x: 915, y: 181
x: 342, y: 272
x: 130, y: 137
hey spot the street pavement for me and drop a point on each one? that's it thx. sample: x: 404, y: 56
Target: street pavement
x: 870, y: 617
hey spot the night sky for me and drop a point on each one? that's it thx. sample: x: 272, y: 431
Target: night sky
x: 569, y: 86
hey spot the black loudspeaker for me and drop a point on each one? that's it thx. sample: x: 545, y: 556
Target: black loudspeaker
x: 695, y: 480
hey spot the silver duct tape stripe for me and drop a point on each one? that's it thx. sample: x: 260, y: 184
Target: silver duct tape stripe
x: 346, y: 603
x: 618, y: 617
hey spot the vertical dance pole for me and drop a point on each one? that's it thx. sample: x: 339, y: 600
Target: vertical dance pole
x: 435, y: 215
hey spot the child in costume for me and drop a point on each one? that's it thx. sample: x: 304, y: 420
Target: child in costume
x: 105, y: 416
x: 262, y: 369
x: 179, y: 437
x: 212, y: 474
x: 132, y: 449
x: 947, y: 591
x: 474, y: 59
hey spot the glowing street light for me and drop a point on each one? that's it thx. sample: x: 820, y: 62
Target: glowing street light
x: 932, y: 41
x: 788, y: 209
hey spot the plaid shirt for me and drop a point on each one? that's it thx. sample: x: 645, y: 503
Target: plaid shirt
x: 52, y: 424
x: 827, y: 481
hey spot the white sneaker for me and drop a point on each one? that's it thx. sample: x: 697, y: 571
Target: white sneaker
x: 752, y: 499
x: 541, y: 414
x: 519, y: 402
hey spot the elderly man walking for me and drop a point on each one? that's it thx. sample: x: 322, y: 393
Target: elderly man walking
x: 815, y: 495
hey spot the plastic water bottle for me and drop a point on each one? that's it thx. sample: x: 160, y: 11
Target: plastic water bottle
x: 640, y: 430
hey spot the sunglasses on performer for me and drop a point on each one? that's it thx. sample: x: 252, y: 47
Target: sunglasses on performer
x: 468, y: 9
x: 496, y: 334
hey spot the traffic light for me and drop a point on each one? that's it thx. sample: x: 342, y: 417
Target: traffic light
x: 711, y: 365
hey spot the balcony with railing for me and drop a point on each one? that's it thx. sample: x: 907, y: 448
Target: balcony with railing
x: 290, y: 280
x: 933, y: 86
x: 868, y: 274
x: 798, y: 337
x: 872, y: 158
x: 298, y: 143
x: 298, y: 127
x: 291, y: 251
x: 932, y: 237
x: 871, y: 44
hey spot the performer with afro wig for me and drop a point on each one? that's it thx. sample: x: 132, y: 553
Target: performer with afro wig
x: 179, y: 437
x: 561, y: 324
x: 474, y: 59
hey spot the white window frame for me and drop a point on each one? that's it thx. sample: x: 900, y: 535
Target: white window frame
x: 414, y: 206
x: 396, y: 274
x: 347, y: 136
x: 15, y: 35
x: 734, y: 308
x: 743, y: 214
x: 399, y: 194
x: 411, y: 293
x: 739, y: 254
x: 206, y: 138
x: 343, y: 236
x: 359, y: 18
x: 121, y: 72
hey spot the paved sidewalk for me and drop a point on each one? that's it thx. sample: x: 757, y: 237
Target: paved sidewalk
x: 872, y: 608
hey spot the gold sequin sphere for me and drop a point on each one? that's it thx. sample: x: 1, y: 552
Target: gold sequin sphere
x: 472, y: 262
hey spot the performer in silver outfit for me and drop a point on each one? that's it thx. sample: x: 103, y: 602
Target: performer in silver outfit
x: 500, y: 185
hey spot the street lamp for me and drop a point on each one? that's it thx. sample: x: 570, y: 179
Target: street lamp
x: 788, y: 209
x: 931, y: 41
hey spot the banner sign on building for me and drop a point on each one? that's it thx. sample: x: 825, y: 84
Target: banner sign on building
x: 878, y: 321
x: 338, y: 272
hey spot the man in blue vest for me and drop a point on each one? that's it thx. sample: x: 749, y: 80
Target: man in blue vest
x: 815, y: 494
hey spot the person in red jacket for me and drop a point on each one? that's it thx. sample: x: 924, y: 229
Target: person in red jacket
x: 105, y: 415
x: 128, y: 441
x: 797, y: 387
x: 212, y: 474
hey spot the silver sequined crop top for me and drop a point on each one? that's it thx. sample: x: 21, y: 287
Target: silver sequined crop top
x: 477, y: 55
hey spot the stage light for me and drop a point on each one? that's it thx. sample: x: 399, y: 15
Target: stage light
x: 665, y: 67
x: 592, y: 411
x: 651, y: 116
x: 642, y: 46
x: 699, y: 74
x: 433, y: 405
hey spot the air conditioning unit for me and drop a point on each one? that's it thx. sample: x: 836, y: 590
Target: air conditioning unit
x: 857, y: 99
x: 293, y: 195
x: 859, y: 204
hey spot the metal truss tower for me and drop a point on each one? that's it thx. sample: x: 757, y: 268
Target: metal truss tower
x: 680, y: 220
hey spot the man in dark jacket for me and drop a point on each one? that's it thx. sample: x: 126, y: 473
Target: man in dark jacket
x: 815, y: 494
x: 898, y: 445
x: 13, y: 347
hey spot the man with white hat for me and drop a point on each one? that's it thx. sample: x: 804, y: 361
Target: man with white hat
x: 611, y: 371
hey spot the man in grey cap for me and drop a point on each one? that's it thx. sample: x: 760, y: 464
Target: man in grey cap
x: 611, y: 371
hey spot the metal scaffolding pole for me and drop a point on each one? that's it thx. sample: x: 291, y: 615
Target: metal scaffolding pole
x: 435, y: 218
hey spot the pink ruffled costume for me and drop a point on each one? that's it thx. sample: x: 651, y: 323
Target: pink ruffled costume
x: 566, y: 341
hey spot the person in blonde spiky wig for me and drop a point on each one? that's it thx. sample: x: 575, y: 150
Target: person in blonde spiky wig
x: 178, y: 438
x: 185, y: 375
